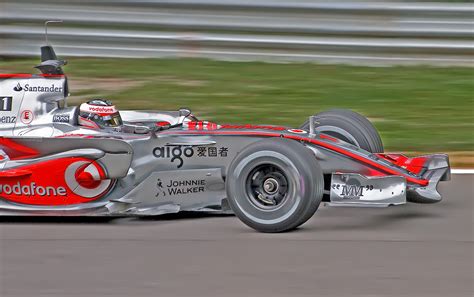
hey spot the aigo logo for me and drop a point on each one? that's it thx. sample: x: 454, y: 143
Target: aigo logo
x: 175, y: 153
x: 179, y: 153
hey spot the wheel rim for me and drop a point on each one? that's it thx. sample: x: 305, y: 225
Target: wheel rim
x: 267, y: 187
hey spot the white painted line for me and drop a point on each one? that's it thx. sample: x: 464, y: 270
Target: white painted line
x: 462, y: 171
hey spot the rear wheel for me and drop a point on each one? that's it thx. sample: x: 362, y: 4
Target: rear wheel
x: 348, y: 126
x: 274, y: 185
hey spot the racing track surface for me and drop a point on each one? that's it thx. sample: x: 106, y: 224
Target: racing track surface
x: 412, y: 250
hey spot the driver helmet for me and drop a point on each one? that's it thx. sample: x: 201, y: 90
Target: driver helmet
x: 99, y: 114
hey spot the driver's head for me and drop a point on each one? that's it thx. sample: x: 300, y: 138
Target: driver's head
x: 99, y: 114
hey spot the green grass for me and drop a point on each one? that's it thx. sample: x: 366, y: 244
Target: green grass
x: 417, y: 108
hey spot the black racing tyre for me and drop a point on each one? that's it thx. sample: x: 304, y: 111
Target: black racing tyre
x: 348, y: 126
x: 274, y: 185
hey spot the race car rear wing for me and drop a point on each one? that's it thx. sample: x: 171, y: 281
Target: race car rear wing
x: 50, y: 64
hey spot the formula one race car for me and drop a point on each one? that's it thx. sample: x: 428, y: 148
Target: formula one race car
x: 93, y: 160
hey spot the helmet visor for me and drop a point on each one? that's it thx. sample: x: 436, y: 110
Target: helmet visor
x: 113, y: 120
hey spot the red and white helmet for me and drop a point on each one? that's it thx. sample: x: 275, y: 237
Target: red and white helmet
x: 99, y: 114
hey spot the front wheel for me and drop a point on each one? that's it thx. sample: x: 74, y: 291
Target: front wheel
x: 274, y: 185
x: 348, y: 126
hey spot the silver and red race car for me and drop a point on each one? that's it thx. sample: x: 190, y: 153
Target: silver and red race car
x: 150, y: 162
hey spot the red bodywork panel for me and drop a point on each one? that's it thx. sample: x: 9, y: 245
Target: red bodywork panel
x: 63, y: 181
x: 16, y: 151
x: 414, y: 165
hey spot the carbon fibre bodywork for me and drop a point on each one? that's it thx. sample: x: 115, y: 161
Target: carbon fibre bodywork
x: 51, y: 166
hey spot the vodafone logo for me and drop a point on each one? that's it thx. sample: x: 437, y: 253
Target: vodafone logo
x: 86, y: 179
x: 31, y: 189
x: 101, y: 109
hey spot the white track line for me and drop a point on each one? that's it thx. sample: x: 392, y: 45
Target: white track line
x: 462, y: 171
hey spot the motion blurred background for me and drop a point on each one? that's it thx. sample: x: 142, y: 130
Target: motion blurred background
x: 406, y: 65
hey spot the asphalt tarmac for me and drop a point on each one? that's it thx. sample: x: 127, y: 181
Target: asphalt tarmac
x: 411, y: 250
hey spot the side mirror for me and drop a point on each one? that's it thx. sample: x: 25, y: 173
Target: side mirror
x: 184, y: 112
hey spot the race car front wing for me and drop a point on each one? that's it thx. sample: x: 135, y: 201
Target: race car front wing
x: 353, y: 189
